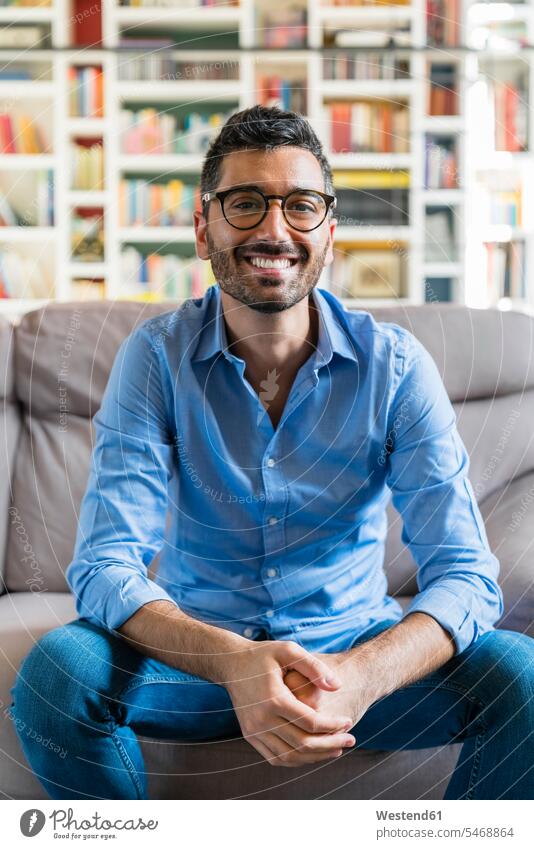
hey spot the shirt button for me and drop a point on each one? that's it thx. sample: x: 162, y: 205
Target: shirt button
x: 272, y: 573
x: 269, y: 613
x: 273, y: 520
x: 248, y: 632
x: 271, y: 462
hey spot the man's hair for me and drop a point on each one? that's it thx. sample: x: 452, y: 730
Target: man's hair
x: 261, y: 128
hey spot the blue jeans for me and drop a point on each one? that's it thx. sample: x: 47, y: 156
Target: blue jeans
x: 82, y: 695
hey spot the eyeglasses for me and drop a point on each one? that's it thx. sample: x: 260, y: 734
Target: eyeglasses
x: 303, y: 209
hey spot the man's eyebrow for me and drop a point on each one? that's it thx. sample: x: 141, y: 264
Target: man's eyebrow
x: 293, y: 188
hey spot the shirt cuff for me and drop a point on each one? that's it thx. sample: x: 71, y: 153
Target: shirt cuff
x: 109, y: 605
x: 445, y: 607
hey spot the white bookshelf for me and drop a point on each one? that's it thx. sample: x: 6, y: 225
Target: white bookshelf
x: 50, y: 92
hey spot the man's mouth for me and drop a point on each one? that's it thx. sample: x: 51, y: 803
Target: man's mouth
x: 270, y: 263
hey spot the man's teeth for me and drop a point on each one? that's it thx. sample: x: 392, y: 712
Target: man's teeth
x: 261, y: 262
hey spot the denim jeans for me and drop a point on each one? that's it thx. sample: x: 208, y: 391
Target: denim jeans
x: 87, y: 694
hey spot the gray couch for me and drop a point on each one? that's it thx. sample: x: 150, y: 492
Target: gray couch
x: 56, y: 365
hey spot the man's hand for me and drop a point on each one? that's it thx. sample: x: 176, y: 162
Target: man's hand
x: 283, y: 729
x: 399, y: 655
x: 351, y: 699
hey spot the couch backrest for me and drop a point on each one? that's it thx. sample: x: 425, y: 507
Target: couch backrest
x: 63, y: 356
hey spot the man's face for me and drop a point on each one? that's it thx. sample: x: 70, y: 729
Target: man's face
x: 232, y: 251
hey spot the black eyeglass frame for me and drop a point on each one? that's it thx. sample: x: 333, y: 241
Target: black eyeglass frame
x: 330, y: 201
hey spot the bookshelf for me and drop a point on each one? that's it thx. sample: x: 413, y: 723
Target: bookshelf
x: 427, y: 198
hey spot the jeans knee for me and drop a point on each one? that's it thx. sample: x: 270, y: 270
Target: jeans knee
x: 506, y: 661
x: 38, y: 674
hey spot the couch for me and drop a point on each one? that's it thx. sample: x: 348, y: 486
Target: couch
x: 55, y: 364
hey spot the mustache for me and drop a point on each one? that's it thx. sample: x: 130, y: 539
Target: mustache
x: 274, y: 249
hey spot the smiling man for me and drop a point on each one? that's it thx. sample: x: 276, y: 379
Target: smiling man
x: 272, y: 426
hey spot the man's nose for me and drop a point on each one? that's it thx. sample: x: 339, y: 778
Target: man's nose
x: 274, y: 227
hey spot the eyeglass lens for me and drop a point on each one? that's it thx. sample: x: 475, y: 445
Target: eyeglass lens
x: 245, y: 208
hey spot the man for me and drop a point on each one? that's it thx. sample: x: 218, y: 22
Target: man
x: 271, y: 425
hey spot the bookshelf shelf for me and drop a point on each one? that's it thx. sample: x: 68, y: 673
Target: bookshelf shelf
x: 88, y: 269
x: 88, y: 127
x: 160, y: 163
x: 14, y: 308
x: 442, y: 269
x: 370, y: 233
x: 443, y: 123
x: 26, y: 161
x: 358, y: 15
x: 169, y: 18
x: 21, y: 89
x: 27, y: 15
x: 157, y: 234
x: 443, y: 196
x: 365, y: 161
x: 367, y: 88
x: 172, y: 91
x: 27, y: 234
x: 78, y: 197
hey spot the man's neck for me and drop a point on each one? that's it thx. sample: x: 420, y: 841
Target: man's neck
x: 266, y: 341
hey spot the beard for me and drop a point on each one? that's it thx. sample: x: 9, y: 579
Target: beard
x: 266, y: 294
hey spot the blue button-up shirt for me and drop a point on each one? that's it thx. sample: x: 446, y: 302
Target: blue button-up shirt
x: 279, y: 529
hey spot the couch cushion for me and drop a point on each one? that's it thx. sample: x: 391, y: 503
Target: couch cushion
x: 509, y: 518
x: 48, y: 486
x: 65, y: 351
x: 24, y: 618
x: 458, y: 339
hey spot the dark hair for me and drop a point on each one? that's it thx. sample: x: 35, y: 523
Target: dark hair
x: 261, y: 128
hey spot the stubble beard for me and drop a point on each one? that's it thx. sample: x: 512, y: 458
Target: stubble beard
x: 245, y: 288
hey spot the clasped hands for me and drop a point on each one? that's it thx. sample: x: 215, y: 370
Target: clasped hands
x: 295, y: 707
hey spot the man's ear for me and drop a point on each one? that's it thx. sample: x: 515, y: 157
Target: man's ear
x: 201, y: 226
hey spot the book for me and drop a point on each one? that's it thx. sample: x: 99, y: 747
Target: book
x: 441, y: 163
x: 12, y: 36
x: 366, y: 66
x: 443, y: 91
x: 369, y: 126
x: 86, y: 92
x: 443, y: 23
x: 87, y: 165
x: 511, y: 116
x: 506, y: 271
x: 438, y: 289
x: 157, y: 204
x: 20, y: 134
x: 274, y: 90
x: 148, y: 131
x: 149, y: 276
x: 440, y: 241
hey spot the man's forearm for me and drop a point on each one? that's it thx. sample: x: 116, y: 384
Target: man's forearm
x: 161, y: 630
x: 408, y: 651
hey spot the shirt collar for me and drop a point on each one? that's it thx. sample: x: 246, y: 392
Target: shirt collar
x: 333, y: 338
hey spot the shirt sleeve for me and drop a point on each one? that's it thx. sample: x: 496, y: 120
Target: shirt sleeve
x: 123, y: 513
x: 427, y: 472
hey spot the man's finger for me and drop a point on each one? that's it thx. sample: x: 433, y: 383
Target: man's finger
x: 309, y: 719
x: 306, y: 743
x: 318, y: 672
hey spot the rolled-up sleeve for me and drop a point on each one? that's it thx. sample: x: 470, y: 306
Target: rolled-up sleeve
x: 442, y: 526
x: 123, y: 513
